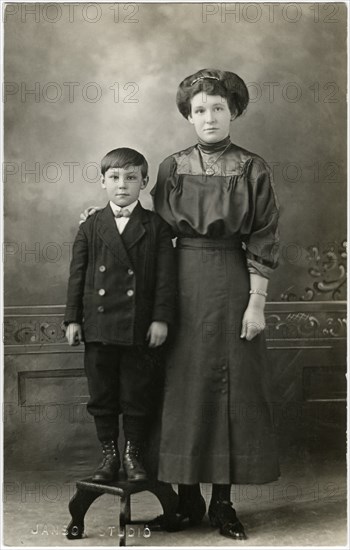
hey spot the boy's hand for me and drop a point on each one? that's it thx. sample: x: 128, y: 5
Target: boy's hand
x: 157, y: 333
x: 88, y: 212
x: 74, y: 334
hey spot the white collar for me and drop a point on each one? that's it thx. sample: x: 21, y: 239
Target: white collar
x: 117, y: 209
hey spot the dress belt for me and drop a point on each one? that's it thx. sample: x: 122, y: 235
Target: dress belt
x: 202, y: 242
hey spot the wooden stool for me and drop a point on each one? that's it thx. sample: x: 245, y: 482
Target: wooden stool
x: 88, y: 491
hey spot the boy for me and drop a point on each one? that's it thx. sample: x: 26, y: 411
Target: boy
x: 121, y: 292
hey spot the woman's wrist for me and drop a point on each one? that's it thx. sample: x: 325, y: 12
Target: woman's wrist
x: 259, y: 291
x: 257, y: 300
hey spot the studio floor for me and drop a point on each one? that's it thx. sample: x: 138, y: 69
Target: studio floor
x: 305, y: 507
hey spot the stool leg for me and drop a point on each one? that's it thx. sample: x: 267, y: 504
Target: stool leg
x: 169, y: 501
x: 78, y: 506
x: 124, y: 518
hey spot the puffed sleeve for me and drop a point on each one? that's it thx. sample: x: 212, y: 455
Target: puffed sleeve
x: 260, y: 234
x: 166, y: 182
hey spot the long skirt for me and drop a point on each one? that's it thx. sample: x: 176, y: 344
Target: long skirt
x: 217, y: 424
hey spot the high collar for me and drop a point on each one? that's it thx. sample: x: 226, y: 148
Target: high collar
x: 213, y: 147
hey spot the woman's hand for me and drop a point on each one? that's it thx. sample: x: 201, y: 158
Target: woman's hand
x: 88, y: 212
x: 157, y: 333
x: 254, y: 319
x: 253, y: 322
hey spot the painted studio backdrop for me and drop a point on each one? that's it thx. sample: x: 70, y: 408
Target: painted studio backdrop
x: 82, y: 79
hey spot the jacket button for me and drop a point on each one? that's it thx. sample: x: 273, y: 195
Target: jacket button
x: 102, y: 268
x: 130, y: 271
x: 130, y: 292
x: 223, y: 391
x: 224, y: 367
x: 100, y: 309
x: 102, y: 292
x: 224, y: 380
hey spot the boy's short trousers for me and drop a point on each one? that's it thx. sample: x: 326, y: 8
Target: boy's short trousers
x: 123, y: 379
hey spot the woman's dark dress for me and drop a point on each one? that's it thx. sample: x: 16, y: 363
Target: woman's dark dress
x: 217, y: 423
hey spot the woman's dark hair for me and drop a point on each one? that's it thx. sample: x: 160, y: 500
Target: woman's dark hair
x: 213, y: 82
x: 122, y: 158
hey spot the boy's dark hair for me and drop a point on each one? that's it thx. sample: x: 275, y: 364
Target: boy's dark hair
x: 122, y: 158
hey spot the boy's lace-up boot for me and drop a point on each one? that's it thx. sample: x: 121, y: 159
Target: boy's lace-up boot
x: 109, y: 467
x: 132, y: 462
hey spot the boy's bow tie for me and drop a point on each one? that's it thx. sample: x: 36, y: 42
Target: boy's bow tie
x: 123, y: 213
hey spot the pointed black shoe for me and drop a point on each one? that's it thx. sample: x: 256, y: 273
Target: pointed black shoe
x: 132, y: 463
x: 222, y: 515
x: 109, y: 467
x: 188, y: 514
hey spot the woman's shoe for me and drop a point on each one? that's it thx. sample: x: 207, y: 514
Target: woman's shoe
x: 193, y: 511
x: 187, y: 515
x: 222, y: 515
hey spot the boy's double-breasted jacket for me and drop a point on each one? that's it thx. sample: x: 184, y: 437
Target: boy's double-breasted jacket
x: 119, y: 284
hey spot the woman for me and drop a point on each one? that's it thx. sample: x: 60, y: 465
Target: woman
x: 219, y: 200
